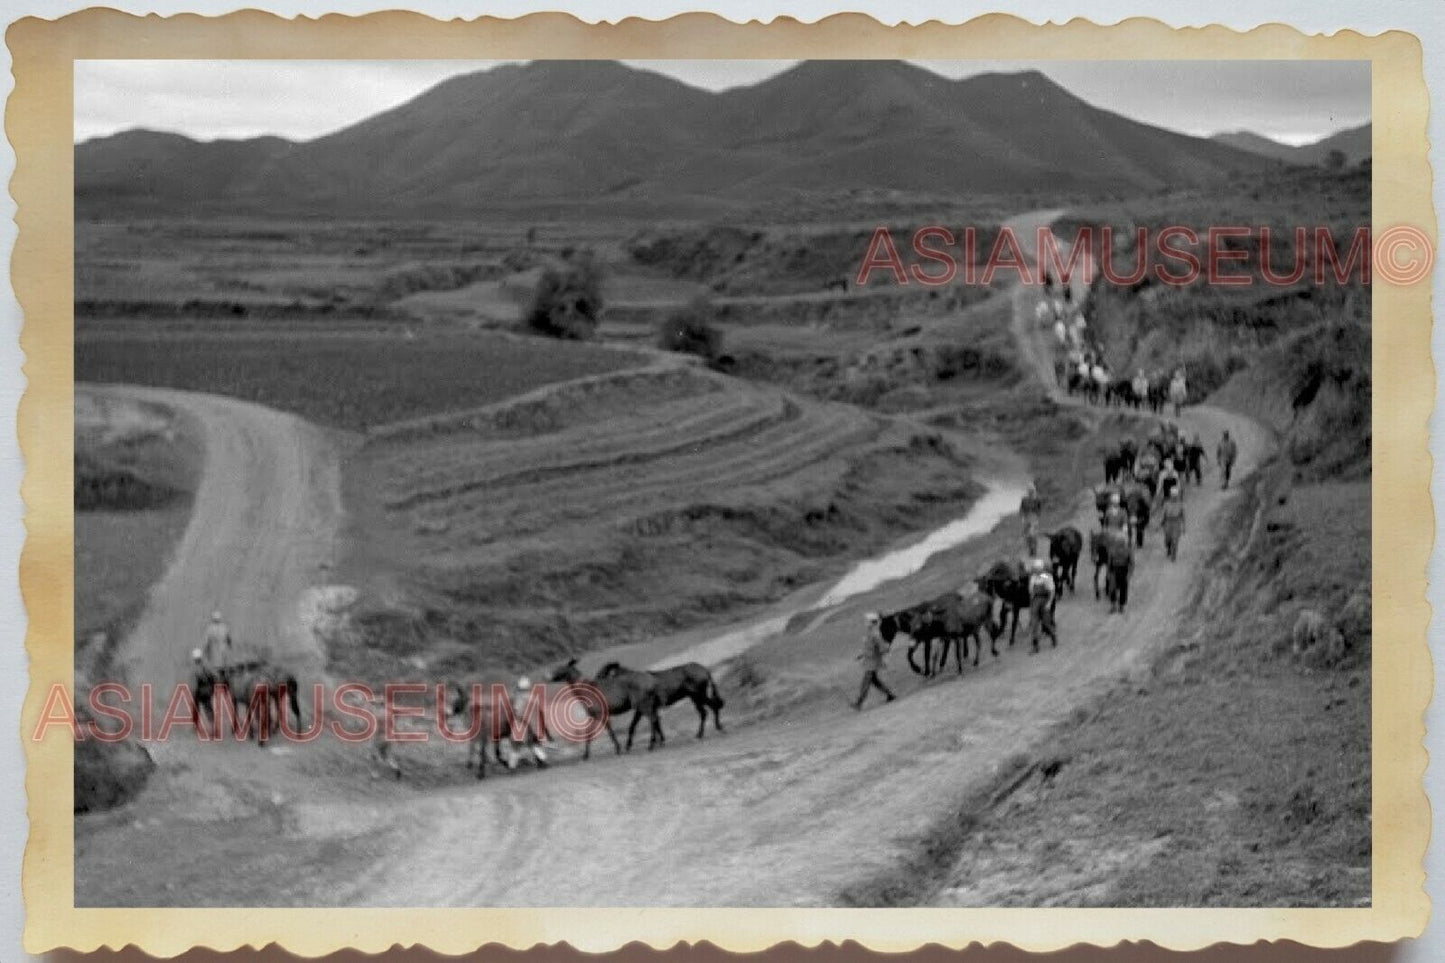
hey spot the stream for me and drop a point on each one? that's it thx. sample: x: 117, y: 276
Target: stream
x: 999, y: 500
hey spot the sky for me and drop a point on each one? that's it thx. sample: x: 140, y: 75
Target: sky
x: 1291, y: 101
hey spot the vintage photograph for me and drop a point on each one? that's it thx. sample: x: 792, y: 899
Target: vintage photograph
x: 722, y: 483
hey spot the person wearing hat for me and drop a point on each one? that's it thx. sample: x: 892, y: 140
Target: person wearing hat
x: 1041, y: 602
x: 1030, y: 508
x: 1115, y: 517
x: 529, y: 741
x: 1120, y: 566
x: 875, y: 649
x: 217, y: 649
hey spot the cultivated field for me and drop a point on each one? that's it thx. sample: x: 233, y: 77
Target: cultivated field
x: 352, y: 380
x: 616, y: 508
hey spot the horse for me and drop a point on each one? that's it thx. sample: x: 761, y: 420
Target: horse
x: 1129, y: 451
x: 952, y: 619
x: 1115, y: 467
x: 1121, y: 393
x: 689, y: 681
x: 918, y: 624
x: 1007, y: 581
x: 256, y: 684
x: 1137, y: 502
x: 460, y: 705
x: 963, y: 614
x: 1158, y: 393
x: 1065, y: 546
x: 624, y: 691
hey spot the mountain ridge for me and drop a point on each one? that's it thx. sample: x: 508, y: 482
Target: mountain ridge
x: 557, y: 130
x: 1354, y: 142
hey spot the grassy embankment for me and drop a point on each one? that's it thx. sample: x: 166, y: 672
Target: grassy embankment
x: 136, y: 468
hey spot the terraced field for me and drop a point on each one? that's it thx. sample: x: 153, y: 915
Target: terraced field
x: 616, y: 506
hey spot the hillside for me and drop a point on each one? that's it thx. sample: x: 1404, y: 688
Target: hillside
x: 599, y: 130
x: 1355, y: 143
x: 143, y: 166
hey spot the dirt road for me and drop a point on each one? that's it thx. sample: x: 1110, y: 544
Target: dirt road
x: 785, y: 812
x: 262, y: 530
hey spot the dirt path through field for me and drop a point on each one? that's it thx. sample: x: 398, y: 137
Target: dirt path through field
x: 261, y: 532
x: 787, y: 812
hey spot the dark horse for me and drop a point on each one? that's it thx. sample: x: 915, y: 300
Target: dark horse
x: 951, y: 620
x: 689, y: 681
x: 460, y: 706
x: 626, y: 691
x: 1115, y: 467
x: 1007, y: 581
x: 261, y: 687
x: 1065, y: 547
x: 917, y: 623
x: 1137, y: 502
x: 964, y: 613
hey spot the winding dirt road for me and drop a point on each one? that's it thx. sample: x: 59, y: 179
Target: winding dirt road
x: 262, y: 530
x: 786, y: 812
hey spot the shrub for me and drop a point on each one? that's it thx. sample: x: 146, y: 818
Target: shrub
x: 108, y: 774
x: 690, y: 329
x: 567, y: 302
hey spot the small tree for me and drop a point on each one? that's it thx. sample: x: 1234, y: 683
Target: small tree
x: 567, y: 302
x: 690, y: 329
x: 1335, y: 160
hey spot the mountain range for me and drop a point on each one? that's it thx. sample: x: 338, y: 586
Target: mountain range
x: 595, y: 130
x: 1354, y: 143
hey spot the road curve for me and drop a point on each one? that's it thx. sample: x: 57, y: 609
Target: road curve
x: 262, y: 530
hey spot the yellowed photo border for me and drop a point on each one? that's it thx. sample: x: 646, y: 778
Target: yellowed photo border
x: 39, y: 125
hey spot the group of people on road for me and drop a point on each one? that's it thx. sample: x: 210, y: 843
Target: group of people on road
x: 1060, y: 311
x: 1081, y: 368
x: 1146, y: 478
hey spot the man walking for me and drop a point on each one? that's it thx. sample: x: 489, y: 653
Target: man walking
x: 1178, y: 391
x: 217, y: 650
x: 1041, y: 603
x: 1173, y: 524
x: 1121, y: 563
x: 1225, y: 456
x: 530, y: 740
x: 1030, y: 509
x: 1141, y: 388
x: 874, y: 651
